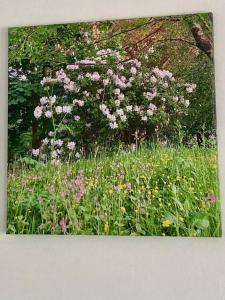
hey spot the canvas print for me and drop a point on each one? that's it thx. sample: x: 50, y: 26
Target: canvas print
x: 111, y: 128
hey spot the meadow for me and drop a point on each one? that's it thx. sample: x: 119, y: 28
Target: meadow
x: 155, y: 190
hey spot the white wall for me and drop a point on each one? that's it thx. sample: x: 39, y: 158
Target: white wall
x: 109, y: 268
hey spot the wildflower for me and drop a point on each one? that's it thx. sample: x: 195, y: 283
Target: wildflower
x: 105, y: 82
x: 58, y: 109
x: 120, y: 67
x: 78, y: 196
x: 113, y: 125
x: 117, y: 103
x: 129, y: 187
x: 80, y: 103
x: 187, y: 103
x: 67, y: 109
x: 129, y: 108
x: 106, y: 227
x: 189, y: 89
x: 86, y: 93
x: 166, y: 223
x: 72, y: 67
x: 102, y: 107
x: 95, y: 76
x: 51, y: 133
x: 44, y: 100
x: 137, y: 63
x: 77, y: 155
x: 52, y: 99
x: 23, y: 77
x: 153, y: 79
x: 45, y: 141
x: 62, y: 224
x: 38, y: 112
x: 54, y: 154
x: 110, y: 72
x: 35, y: 152
x: 112, y: 118
x: 150, y: 112
x: 77, y: 118
x: 48, y: 114
x: 133, y: 70
x: 59, y: 142
x: 117, y: 91
x: 152, y: 106
x: 71, y: 145
x: 211, y: 197
x: 123, y: 118
x: 121, y: 96
x: 120, y: 112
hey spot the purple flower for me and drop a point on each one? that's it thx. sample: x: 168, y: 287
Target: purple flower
x: 211, y: 197
x: 129, y: 187
x: 62, y: 223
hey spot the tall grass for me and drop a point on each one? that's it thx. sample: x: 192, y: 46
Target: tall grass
x: 152, y: 191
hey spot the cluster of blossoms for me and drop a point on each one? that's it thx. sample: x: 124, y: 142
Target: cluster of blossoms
x: 75, y: 186
x: 90, y: 94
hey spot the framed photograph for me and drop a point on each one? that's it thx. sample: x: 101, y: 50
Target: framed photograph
x: 112, y: 128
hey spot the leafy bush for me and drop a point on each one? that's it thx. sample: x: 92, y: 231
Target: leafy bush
x: 106, y: 99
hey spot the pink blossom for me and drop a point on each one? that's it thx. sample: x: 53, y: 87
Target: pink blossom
x: 71, y: 145
x: 48, y: 114
x: 38, y: 112
x: 58, y: 109
x: 113, y: 125
x: 52, y: 99
x: 67, y: 109
x: 110, y: 72
x: 72, y: 67
x: 133, y: 70
x: 44, y: 100
x: 117, y: 91
x: 121, y: 96
x: 62, y: 223
x: 106, y: 81
x: 35, y: 152
x: 117, y: 103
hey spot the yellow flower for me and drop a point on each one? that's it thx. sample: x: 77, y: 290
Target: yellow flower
x: 110, y: 192
x: 106, y: 227
x: 166, y: 223
x: 123, y: 209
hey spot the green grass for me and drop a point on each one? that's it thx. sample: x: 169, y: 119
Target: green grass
x: 152, y: 191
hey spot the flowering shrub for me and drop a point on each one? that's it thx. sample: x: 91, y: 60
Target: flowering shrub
x: 106, y: 98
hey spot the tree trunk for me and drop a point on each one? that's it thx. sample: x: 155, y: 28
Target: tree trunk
x: 202, y: 41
